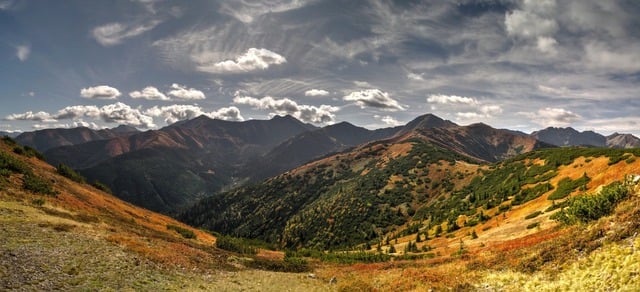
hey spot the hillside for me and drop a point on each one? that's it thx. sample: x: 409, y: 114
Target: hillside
x: 357, y: 196
x: 166, y: 169
x: 58, y: 234
x: 46, y: 139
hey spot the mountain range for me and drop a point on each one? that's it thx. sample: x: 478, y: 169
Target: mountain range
x: 168, y: 169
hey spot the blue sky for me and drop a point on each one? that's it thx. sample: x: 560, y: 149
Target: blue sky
x: 522, y: 65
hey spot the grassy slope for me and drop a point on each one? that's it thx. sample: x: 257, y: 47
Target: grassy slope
x: 88, y: 240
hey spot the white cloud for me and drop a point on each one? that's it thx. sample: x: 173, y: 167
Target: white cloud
x: 247, y: 11
x: 470, y: 116
x: 100, y: 92
x: 5, y: 5
x: 490, y: 110
x: 177, y: 112
x: 600, y: 55
x: 22, y: 52
x: 78, y: 111
x: 388, y: 120
x: 374, y: 98
x: 284, y: 106
x: 123, y: 114
x: 449, y: 99
x: 415, y: 77
x: 182, y: 92
x: 552, y: 117
x: 112, y: 34
x: 31, y: 116
x: 149, y: 93
x: 253, y: 60
x: 231, y: 113
x: 316, y: 92
x: 532, y: 20
x: 547, y: 45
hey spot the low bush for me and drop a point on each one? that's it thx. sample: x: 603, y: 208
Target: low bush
x: 38, y: 185
x: 587, y: 208
x: 186, y: 233
x: 100, y: 186
x: 69, y: 173
x: 533, y: 215
x: 235, y: 244
x: 289, y: 265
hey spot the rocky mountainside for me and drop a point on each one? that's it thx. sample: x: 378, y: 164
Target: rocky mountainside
x: 616, y: 140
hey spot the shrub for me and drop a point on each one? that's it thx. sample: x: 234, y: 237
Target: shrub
x: 38, y: 185
x: 289, y: 265
x: 591, y: 207
x: 235, y: 245
x: 69, y: 173
x: 38, y: 202
x: 186, y: 233
x: 533, y: 225
x: 567, y: 185
x: 533, y: 215
x: 100, y: 186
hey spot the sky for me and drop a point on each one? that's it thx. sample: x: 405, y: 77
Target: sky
x: 522, y: 65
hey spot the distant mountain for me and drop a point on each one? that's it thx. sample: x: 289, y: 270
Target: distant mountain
x: 616, y: 140
x: 477, y: 141
x: 10, y: 134
x: 570, y: 137
x: 165, y: 169
x: 312, y: 145
x: 46, y: 139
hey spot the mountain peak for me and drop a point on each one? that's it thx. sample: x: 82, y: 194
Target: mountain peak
x: 426, y: 121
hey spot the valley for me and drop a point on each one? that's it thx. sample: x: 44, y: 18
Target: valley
x: 431, y: 205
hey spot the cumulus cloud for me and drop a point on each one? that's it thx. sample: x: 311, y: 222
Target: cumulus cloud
x: 449, y: 99
x: 22, y: 52
x: 253, y: 60
x: 31, y: 116
x: 123, y: 114
x: 113, y: 113
x: 100, y: 92
x: 374, y: 98
x: 388, y: 120
x: 553, y: 117
x: 182, y: 92
x: 490, y: 110
x: 112, y: 34
x: 78, y: 111
x: 177, y: 112
x: 316, y: 92
x: 149, y: 93
x: 285, y: 106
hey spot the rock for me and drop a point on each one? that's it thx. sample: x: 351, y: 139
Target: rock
x: 333, y: 280
x: 312, y: 276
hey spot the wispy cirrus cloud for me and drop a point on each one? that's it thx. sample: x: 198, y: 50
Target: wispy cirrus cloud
x: 115, y: 33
